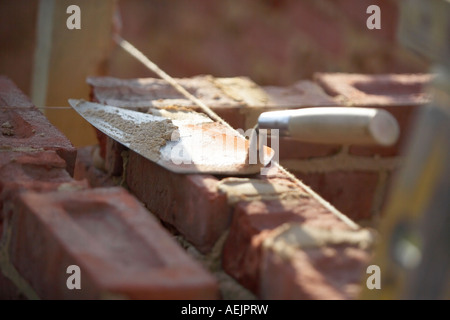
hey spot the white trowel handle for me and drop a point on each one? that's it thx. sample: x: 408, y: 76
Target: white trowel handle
x: 334, y: 125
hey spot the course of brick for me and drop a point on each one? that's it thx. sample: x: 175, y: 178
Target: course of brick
x: 340, y: 174
x: 50, y: 221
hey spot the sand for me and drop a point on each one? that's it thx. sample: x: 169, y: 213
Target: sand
x: 144, y: 138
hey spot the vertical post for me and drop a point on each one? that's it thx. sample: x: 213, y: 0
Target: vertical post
x: 65, y: 57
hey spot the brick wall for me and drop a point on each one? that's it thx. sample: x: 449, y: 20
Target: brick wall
x: 355, y: 179
x: 221, y: 235
x: 50, y: 221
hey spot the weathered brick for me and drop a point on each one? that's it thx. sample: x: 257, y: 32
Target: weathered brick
x: 11, y: 96
x: 399, y: 94
x: 121, y: 250
x: 251, y: 225
x: 351, y: 192
x: 39, y: 171
x: 24, y: 127
x: 306, y: 263
x: 190, y: 203
x: 240, y: 106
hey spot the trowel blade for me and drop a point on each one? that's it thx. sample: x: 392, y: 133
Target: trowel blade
x: 196, y: 145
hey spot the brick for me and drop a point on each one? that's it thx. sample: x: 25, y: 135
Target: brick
x: 302, y: 94
x: 11, y: 96
x: 121, y: 250
x: 190, y: 203
x: 239, y: 106
x: 28, y: 129
x: 38, y: 171
x: 252, y: 223
x: 351, y: 192
x: 307, y: 263
x: 85, y: 168
x: 399, y: 94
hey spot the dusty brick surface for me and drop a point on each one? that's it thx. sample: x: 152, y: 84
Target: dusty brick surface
x: 190, y: 203
x: 24, y: 127
x: 11, y: 96
x: 330, y: 272
x: 38, y: 171
x: 121, y: 250
x: 251, y: 225
x: 238, y: 109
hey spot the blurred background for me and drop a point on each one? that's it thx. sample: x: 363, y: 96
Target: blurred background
x: 274, y: 42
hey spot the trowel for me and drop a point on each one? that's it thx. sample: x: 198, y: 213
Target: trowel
x: 178, y: 140
x: 334, y: 125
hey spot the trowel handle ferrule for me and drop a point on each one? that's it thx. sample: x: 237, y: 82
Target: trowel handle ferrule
x: 334, y: 125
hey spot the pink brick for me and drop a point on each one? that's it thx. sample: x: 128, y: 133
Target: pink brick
x: 121, y: 250
x: 252, y: 224
x: 190, y: 203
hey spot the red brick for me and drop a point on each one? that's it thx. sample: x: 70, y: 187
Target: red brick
x: 38, y: 171
x: 251, y: 225
x: 351, y: 192
x: 11, y: 96
x: 31, y: 131
x: 132, y: 93
x: 86, y: 169
x: 329, y: 271
x: 121, y: 250
x: 303, y: 93
x: 190, y: 203
x: 399, y: 94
